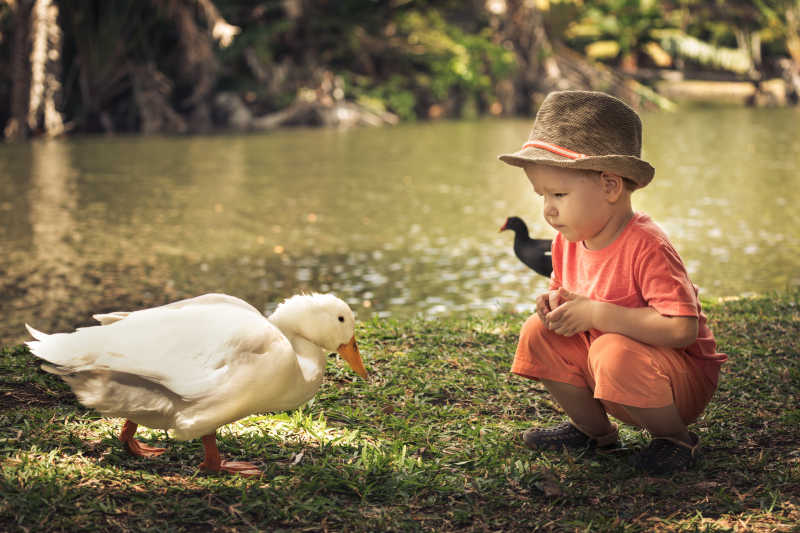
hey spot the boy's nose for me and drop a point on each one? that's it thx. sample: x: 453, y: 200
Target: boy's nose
x: 550, y: 210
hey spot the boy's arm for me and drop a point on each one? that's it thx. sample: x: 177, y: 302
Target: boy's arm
x: 644, y: 324
x: 647, y: 325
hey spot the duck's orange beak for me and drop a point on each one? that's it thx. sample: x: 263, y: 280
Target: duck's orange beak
x: 349, y: 353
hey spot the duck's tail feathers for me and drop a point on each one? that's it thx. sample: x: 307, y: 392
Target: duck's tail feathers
x: 58, y: 370
x: 109, y: 318
x: 35, y: 333
x: 34, y: 346
x: 53, y: 348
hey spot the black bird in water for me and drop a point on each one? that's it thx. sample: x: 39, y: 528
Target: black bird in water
x: 533, y: 252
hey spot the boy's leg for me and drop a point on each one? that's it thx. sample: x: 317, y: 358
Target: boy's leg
x: 580, y: 404
x: 659, y: 389
x: 662, y: 422
x: 673, y: 448
x: 561, y: 363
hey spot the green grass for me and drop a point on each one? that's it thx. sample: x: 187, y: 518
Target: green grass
x: 430, y: 442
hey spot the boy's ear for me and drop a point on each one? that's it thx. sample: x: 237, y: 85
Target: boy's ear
x: 613, y: 185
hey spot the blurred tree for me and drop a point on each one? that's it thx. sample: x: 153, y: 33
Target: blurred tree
x: 45, y: 61
x: 724, y: 23
x: 35, y: 69
x: 162, y: 65
x: 20, y: 13
x: 616, y: 29
x: 409, y: 57
x: 781, y: 19
x: 521, y: 24
x: 114, y: 56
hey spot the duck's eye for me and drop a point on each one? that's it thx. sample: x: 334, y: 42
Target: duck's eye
x: 341, y: 318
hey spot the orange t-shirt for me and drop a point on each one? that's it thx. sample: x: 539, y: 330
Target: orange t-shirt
x: 639, y: 269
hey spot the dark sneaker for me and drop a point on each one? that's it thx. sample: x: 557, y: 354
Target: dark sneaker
x: 665, y: 455
x: 566, y: 435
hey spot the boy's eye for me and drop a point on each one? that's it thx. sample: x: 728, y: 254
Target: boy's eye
x: 560, y: 194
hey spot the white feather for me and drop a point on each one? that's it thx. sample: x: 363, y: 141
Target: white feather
x: 199, y: 363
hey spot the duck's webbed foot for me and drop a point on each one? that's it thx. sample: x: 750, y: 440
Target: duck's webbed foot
x: 135, y: 447
x: 243, y: 468
x: 214, y: 462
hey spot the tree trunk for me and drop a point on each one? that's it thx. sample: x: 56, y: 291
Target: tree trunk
x: 199, y: 64
x: 45, y: 66
x: 524, y: 27
x: 793, y: 32
x: 35, y: 70
x: 17, y: 126
x: 750, y: 42
x: 151, y: 91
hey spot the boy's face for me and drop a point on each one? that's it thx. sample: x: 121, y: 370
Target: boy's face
x: 574, y: 201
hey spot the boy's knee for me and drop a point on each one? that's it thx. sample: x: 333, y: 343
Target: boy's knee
x: 544, y: 354
x: 612, y: 354
x: 533, y: 330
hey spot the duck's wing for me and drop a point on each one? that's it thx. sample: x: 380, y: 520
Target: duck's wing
x: 188, y: 347
x: 205, y: 299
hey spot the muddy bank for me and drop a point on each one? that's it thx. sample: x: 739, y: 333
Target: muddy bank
x: 64, y: 296
x: 61, y: 297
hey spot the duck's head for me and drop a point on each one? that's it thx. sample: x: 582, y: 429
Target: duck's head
x: 325, y: 320
x: 516, y: 224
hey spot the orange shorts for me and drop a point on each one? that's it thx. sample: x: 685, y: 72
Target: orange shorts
x: 619, y: 370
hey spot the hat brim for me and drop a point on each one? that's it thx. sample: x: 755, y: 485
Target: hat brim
x: 637, y: 170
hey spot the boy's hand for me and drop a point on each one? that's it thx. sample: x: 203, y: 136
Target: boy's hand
x: 545, y: 303
x: 572, y: 316
x: 554, y: 299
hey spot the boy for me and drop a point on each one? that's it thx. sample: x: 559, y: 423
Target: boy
x: 621, y: 331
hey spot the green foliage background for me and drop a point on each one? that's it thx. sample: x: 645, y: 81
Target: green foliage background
x: 402, y: 56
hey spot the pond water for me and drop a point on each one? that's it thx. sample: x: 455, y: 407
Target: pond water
x: 398, y: 221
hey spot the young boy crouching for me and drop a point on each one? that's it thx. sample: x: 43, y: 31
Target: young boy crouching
x: 620, y: 331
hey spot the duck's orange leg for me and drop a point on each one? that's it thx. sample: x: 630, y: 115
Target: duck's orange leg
x: 214, y: 462
x: 135, y: 447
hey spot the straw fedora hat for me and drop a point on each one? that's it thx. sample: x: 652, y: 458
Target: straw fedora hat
x: 586, y: 130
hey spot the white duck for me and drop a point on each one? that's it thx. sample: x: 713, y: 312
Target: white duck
x: 194, y: 365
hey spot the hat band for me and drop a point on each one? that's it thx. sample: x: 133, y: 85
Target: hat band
x: 558, y: 150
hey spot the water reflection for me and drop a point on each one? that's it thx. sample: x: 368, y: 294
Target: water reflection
x: 52, y: 200
x: 52, y: 203
x: 398, y: 221
x: 735, y: 175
